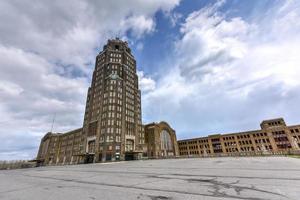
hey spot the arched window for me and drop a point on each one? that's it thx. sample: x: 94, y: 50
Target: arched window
x: 166, y: 142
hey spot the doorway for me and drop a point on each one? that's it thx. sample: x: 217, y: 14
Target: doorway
x: 129, y: 156
x: 89, y: 158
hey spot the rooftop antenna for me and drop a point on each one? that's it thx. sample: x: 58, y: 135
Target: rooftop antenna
x: 53, y: 122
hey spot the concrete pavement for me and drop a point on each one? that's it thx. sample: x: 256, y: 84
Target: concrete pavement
x: 254, y: 178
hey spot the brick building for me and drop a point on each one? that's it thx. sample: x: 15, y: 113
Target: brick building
x: 57, y: 148
x: 112, y: 127
x: 274, y: 137
x: 112, y: 121
x: 161, y: 140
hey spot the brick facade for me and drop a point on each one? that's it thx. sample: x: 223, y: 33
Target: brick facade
x: 161, y: 140
x: 112, y: 127
x: 57, y: 148
x: 274, y: 137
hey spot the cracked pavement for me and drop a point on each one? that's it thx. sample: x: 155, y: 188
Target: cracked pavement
x: 253, y: 178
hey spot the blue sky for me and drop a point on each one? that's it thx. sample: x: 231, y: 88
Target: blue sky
x: 204, y: 66
x: 156, y: 43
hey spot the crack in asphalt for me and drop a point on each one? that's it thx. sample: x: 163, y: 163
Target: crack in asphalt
x: 243, y: 169
x: 17, y: 189
x: 159, y: 197
x: 218, y: 185
x: 178, y: 174
x: 215, y: 194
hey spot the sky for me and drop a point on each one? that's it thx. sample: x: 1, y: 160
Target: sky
x: 204, y: 66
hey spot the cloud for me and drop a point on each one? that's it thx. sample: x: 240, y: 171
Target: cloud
x: 47, y: 53
x: 68, y: 33
x: 174, y: 17
x: 230, y: 73
x: 30, y: 94
x: 146, y: 84
x: 139, y: 25
x: 226, y: 72
x: 140, y: 46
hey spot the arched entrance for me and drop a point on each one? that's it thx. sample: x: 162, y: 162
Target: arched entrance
x: 161, y: 140
x: 129, y: 147
x: 166, y: 144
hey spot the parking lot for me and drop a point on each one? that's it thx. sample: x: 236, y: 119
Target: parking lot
x: 198, y: 178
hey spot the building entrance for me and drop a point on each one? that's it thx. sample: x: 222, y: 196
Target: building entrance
x: 89, y: 158
x: 129, y: 156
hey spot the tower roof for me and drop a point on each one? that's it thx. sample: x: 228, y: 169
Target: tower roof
x: 117, y: 44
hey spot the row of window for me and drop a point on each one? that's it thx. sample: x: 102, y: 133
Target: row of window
x: 117, y: 60
x: 294, y: 130
x: 225, y: 138
x: 230, y: 150
x: 110, y: 130
x: 116, y: 55
x: 105, y: 115
x: 245, y: 142
x: 112, y: 101
x: 110, y: 138
x: 265, y: 140
x: 274, y: 123
x: 228, y: 138
x: 229, y: 144
x: 110, y: 148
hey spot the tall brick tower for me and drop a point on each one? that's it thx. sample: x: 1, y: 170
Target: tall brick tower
x: 112, y: 120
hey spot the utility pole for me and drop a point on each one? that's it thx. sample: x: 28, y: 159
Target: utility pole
x: 53, y: 122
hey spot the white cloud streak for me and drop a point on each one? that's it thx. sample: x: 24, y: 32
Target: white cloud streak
x: 47, y: 51
x: 229, y: 73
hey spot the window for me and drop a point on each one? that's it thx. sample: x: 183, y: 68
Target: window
x: 129, y: 145
x: 91, y: 146
x: 166, y: 142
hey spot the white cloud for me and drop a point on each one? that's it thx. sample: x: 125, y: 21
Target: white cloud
x: 47, y: 51
x: 139, y: 24
x: 68, y: 32
x: 227, y: 73
x: 230, y: 73
x: 146, y: 84
x: 174, y: 17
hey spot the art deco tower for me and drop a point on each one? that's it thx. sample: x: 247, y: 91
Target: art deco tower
x: 112, y: 120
